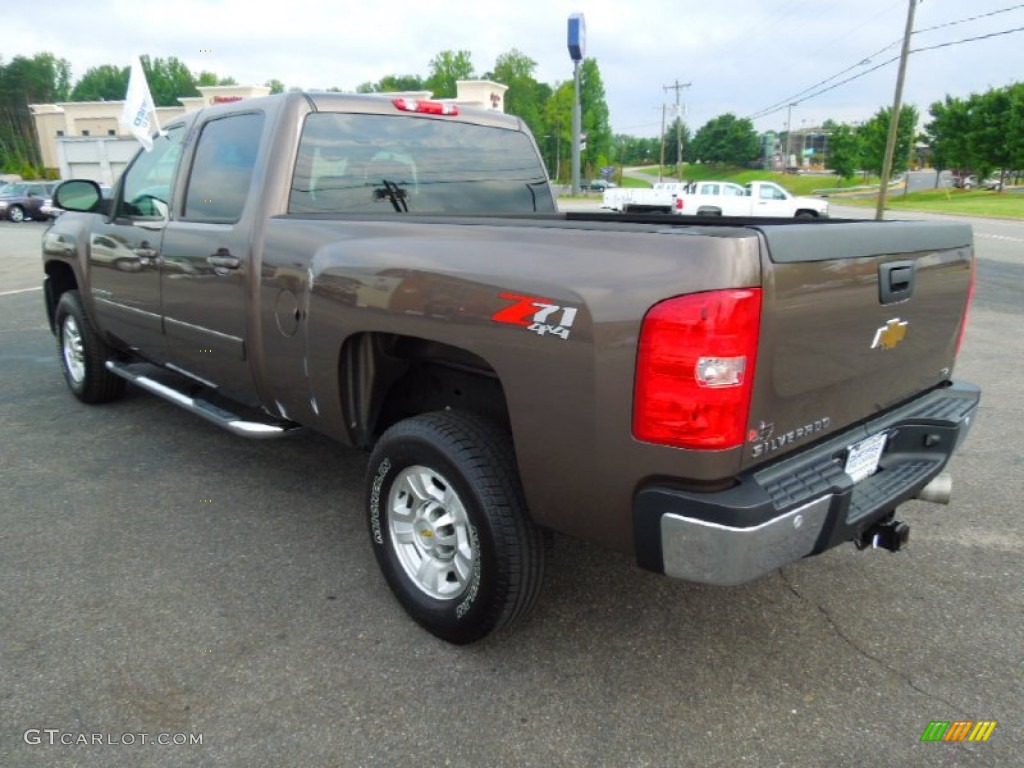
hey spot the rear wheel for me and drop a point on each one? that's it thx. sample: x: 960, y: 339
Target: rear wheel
x: 83, y: 355
x: 449, y: 526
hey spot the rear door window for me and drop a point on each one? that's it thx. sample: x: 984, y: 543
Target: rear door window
x: 218, y: 184
x: 352, y: 163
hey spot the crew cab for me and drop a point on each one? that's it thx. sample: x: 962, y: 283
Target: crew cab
x: 716, y: 397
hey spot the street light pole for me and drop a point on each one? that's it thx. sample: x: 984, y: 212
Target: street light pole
x: 577, y: 128
x: 576, y: 43
x: 894, y: 117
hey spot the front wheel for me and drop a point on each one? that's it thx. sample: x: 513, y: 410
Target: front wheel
x: 449, y: 526
x: 16, y: 214
x: 83, y: 355
x: 806, y: 215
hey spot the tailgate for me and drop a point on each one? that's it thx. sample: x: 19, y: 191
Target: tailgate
x: 856, y: 317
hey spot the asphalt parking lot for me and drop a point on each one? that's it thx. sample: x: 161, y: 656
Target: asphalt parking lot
x: 162, y: 577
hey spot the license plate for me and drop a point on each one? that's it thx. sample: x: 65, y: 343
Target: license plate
x: 862, y: 458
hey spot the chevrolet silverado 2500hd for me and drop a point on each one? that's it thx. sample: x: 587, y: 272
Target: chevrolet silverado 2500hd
x: 718, y: 398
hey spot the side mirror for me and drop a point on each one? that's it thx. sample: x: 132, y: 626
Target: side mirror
x: 79, y: 195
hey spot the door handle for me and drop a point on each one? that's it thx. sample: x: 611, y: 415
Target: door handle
x: 221, y: 261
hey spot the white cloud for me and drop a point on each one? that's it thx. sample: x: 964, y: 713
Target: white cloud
x: 740, y: 55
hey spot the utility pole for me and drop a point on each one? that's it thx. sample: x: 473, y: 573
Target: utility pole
x: 661, y: 163
x: 789, y: 132
x: 677, y: 87
x: 894, y: 117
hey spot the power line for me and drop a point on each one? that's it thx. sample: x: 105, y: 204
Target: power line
x: 779, y: 105
x: 801, y: 97
x: 969, y: 18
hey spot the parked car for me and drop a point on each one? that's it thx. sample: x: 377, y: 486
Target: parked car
x: 600, y: 185
x: 24, y: 200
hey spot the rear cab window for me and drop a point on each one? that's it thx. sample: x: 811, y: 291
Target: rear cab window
x: 361, y: 163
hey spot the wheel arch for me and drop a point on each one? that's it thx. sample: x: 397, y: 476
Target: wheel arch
x: 60, y: 278
x: 388, y: 377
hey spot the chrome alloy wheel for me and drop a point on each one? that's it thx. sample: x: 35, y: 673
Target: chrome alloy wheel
x: 74, y: 352
x: 430, y: 532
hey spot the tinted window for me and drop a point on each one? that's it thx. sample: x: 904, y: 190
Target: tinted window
x: 146, y: 192
x: 383, y: 164
x: 222, y: 168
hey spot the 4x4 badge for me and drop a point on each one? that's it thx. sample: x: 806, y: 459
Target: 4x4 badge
x: 890, y: 334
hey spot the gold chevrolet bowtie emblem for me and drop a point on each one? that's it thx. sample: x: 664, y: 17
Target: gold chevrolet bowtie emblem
x: 427, y: 534
x: 890, y: 334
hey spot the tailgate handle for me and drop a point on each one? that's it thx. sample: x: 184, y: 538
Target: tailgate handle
x: 895, y: 281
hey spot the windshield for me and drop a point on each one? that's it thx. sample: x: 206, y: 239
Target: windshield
x: 350, y: 163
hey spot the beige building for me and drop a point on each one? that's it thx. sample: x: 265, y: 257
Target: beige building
x: 84, y: 139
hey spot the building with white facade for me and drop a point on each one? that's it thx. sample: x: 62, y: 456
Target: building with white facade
x: 85, y: 140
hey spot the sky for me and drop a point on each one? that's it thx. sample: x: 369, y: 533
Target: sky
x: 738, y: 56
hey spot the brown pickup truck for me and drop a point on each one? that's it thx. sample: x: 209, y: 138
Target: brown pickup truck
x: 717, y: 397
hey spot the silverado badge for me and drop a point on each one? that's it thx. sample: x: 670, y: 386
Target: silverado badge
x: 890, y: 334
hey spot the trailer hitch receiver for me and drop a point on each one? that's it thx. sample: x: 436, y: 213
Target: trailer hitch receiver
x: 889, y: 534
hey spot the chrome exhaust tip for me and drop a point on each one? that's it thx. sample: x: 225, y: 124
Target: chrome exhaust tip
x: 939, y: 490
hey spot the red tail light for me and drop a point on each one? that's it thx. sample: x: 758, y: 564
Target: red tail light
x: 426, y: 107
x: 967, y: 308
x: 695, y: 369
x: 679, y: 203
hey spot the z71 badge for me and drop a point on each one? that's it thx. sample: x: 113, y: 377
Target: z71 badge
x: 537, y: 315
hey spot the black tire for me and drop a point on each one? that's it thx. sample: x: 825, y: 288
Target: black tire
x: 806, y: 215
x: 83, y: 355
x: 470, y: 463
x: 16, y: 214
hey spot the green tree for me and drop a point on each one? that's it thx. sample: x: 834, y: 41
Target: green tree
x: 875, y: 133
x: 632, y: 150
x: 844, y: 151
x: 38, y: 80
x: 525, y: 97
x: 991, y: 145
x: 595, y: 119
x: 210, y: 78
x: 103, y: 83
x: 392, y: 84
x: 445, y: 69
x: 558, y: 119
x: 41, y: 79
x: 275, y: 86
x: 676, y: 129
x: 949, y: 133
x: 726, y: 139
x: 1014, y: 128
x: 168, y: 80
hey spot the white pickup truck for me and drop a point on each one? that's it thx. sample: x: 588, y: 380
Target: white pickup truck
x: 716, y: 198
